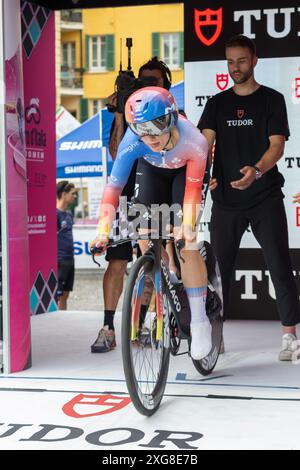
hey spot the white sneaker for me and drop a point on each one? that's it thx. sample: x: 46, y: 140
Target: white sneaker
x: 287, y: 350
x: 201, y: 339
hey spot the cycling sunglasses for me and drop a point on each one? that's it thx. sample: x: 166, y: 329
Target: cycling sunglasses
x: 156, y: 127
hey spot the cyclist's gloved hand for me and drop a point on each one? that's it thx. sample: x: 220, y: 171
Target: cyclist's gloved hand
x: 99, y: 242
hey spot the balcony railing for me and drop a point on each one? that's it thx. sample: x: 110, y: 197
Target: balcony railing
x: 71, y: 77
x: 71, y: 16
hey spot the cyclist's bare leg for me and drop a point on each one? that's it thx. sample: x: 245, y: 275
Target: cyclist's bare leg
x: 113, y: 283
x: 193, y: 270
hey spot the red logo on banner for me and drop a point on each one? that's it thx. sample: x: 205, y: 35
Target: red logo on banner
x: 105, y: 403
x: 298, y: 216
x: 240, y: 113
x: 222, y: 80
x: 297, y: 87
x: 208, y: 17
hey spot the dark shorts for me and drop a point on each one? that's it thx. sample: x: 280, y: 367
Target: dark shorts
x: 65, y: 276
x: 122, y: 251
x: 156, y: 185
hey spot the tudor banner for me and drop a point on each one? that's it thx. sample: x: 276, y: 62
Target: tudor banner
x: 274, y: 25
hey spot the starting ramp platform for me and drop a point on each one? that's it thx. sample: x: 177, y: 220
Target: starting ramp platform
x: 71, y: 399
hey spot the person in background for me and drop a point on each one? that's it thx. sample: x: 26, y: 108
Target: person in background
x: 66, y: 195
x: 249, y: 125
x: 119, y: 256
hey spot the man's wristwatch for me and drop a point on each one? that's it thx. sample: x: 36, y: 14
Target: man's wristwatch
x: 258, y: 172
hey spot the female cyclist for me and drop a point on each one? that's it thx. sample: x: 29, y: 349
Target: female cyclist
x: 172, y: 157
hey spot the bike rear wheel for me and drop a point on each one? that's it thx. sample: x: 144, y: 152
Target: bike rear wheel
x: 145, y: 359
x: 206, y: 365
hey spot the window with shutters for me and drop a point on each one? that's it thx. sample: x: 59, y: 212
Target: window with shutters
x: 97, y: 53
x: 170, y: 50
x: 68, y: 54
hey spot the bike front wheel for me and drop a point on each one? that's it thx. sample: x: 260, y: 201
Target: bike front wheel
x: 145, y: 357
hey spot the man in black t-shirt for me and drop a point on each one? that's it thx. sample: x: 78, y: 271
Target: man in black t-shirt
x: 66, y: 195
x: 248, y: 124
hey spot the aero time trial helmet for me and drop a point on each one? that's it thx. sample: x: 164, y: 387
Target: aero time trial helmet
x: 151, y: 111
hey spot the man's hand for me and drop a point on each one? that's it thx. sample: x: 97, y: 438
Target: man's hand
x: 248, y: 178
x: 296, y: 198
x: 100, y: 241
x: 112, y: 101
x: 213, y: 183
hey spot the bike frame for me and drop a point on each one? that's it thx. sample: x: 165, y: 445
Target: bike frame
x: 162, y: 285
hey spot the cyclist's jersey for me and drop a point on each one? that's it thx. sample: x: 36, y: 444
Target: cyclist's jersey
x: 190, y: 150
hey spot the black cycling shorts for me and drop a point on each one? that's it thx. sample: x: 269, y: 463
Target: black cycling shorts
x: 122, y: 251
x: 156, y: 185
x: 66, y: 272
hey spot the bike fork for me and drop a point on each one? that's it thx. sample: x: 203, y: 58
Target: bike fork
x: 136, y: 309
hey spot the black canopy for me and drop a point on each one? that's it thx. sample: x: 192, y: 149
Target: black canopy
x: 68, y: 4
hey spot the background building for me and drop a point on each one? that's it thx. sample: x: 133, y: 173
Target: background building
x: 89, y: 51
x: 69, y: 60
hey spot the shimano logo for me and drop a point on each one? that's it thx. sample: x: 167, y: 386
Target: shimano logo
x: 81, y: 145
x: 171, y: 289
x: 239, y: 122
x: 83, y: 169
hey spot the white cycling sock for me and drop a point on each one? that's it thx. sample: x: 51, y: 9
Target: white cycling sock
x: 197, y: 301
x: 200, y: 324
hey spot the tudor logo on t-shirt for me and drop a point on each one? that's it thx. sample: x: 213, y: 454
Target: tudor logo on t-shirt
x: 240, y: 113
x: 222, y: 80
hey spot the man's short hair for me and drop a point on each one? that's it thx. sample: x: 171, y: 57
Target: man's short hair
x: 241, y: 41
x: 63, y: 187
x: 156, y: 64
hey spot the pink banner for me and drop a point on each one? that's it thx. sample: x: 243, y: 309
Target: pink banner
x: 38, y: 35
x: 18, y: 264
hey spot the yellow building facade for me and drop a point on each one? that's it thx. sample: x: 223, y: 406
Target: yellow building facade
x: 94, y: 50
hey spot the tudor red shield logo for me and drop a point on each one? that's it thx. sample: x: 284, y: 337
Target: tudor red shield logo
x: 85, y: 405
x: 240, y: 113
x: 298, y: 216
x: 208, y: 17
x: 222, y: 80
x: 297, y: 87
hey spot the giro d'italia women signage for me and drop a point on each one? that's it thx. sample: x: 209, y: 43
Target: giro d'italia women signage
x: 16, y: 317
x: 274, y: 25
x: 28, y: 171
x: 38, y: 37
